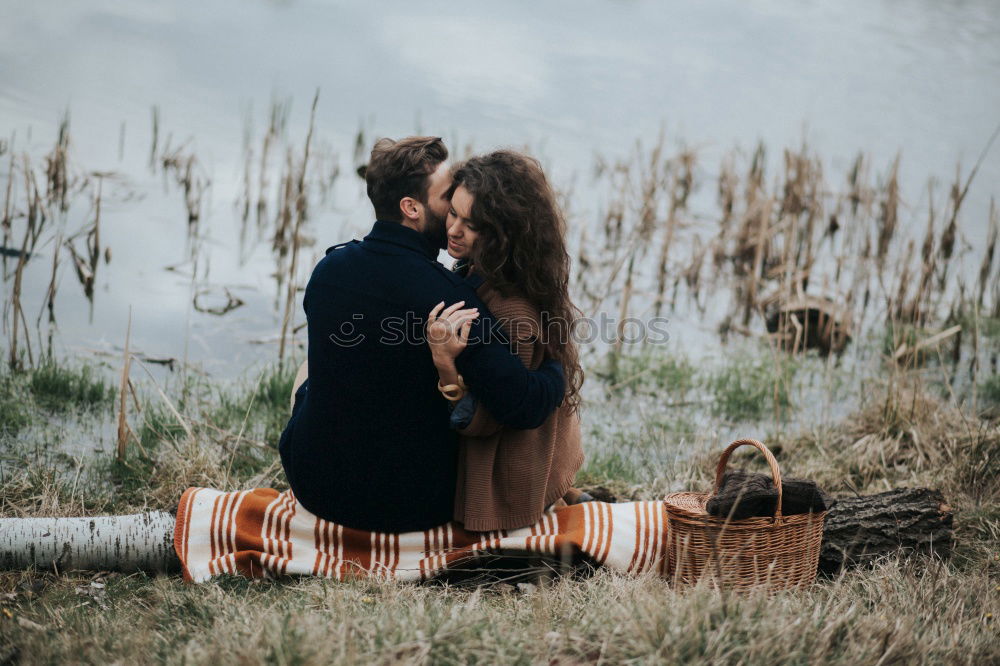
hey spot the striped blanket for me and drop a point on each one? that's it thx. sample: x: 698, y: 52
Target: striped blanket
x: 263, y: 533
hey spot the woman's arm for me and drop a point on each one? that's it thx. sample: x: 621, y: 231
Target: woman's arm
x: 522, y: 325
x: 517, y: 397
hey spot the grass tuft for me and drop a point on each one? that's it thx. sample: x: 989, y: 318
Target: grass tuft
x: 989, y: 390
x: 751, y: 388
x: 15, y: 414
x: 60, y: 387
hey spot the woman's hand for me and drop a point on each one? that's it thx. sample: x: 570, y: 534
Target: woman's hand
x: 448, y: 331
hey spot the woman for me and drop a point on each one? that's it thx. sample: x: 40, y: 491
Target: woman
x: 507, y: 233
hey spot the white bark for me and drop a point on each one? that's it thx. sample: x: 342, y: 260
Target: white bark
x: 137, y: 542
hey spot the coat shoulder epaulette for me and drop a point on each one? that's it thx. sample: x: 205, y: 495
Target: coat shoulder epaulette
x: 340, y: 245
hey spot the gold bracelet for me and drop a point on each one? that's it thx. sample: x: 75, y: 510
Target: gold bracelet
x: 453, y: 392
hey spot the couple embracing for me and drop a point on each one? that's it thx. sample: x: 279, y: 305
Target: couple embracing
x: 431, y: 395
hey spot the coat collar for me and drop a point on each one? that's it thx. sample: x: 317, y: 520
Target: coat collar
x: 394, y: 233
x: 472, y: 277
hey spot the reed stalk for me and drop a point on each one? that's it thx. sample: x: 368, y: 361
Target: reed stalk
x: 300, y: 216
x: 124, y: 431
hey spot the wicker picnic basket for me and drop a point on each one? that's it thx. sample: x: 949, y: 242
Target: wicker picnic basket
x: 777, y: 553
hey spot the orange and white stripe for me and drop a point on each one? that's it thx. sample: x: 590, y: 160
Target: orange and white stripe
x: 263, y: 533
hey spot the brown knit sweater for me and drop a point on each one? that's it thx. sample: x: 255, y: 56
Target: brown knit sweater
x: 507, y: 477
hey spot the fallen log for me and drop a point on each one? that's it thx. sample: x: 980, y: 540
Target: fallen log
x: 136, y: 542
x: 857, y: 530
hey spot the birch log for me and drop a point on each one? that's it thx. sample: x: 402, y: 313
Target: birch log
x: 136, y: 542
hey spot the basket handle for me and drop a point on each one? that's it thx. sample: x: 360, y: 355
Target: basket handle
x: 772, y: 463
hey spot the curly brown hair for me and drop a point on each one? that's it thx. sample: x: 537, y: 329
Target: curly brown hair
x: 521, y: 246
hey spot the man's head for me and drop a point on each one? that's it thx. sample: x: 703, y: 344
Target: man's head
x: 407, y: 182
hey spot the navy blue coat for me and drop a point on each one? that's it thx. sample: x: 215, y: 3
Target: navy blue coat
x: 369, y: 444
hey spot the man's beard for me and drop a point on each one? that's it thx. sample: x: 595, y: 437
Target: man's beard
x: 435, y: 228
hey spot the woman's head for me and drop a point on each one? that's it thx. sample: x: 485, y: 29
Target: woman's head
x: 504, y: 219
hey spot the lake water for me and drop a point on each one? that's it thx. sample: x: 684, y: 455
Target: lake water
x: 568, y: 80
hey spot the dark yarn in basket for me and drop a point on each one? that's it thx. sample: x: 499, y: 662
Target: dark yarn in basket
x: 775, y: 552
x: 748, y: 494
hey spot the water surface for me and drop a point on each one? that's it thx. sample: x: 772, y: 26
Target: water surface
x: 568, y: 80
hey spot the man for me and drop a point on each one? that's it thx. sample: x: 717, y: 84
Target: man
x: 369, y: 444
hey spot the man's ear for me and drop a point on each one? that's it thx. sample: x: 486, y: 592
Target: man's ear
x: 410, y: 208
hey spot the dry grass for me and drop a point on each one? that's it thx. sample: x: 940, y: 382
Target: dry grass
x: 896, y: 613
x: 920, y: 611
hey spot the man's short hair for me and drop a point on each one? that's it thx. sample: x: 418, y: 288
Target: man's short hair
x: 399, y: 169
